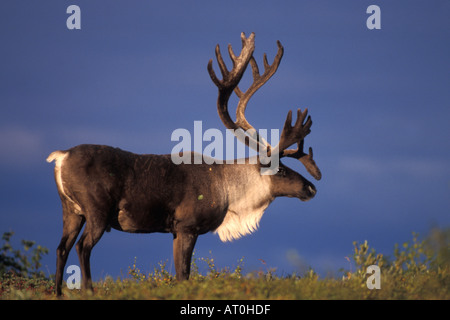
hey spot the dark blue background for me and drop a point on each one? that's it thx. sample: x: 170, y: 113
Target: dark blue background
x: 136, y: 71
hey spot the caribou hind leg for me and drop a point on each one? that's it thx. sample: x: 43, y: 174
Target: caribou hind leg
x: 96, y: 224
x: 72, y: 224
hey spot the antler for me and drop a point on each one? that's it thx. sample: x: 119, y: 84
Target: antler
x: 229, y: 83
x: 258, y: 82
x: 230, y: 79
x: 297, y: 134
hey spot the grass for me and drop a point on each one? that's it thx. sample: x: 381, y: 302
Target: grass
x: 418, y: 270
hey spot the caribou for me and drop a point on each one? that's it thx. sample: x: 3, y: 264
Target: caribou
x: 102, y: 187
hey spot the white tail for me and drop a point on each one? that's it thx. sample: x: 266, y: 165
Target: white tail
x: 55, y: 155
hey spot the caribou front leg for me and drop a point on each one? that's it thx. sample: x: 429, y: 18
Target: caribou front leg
x: 183, y: 246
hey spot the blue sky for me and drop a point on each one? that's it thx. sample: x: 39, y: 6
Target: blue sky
x: 136, y: 71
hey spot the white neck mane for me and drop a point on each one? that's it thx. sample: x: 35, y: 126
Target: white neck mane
x: 247, y: 201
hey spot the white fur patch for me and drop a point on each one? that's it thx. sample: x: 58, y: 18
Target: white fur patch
x: 59, y: 157
x: 247, y: 203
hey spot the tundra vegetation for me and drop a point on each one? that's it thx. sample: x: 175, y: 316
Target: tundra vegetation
x: 418, y: 269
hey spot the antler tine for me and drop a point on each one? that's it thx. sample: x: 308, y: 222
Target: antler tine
x: 212, y: 74
x: 309, y: 163
x: 230, y: 79
x: 222, y: 66
x: 244, y: 43
x: 296, y: 134
x: 292, y: 134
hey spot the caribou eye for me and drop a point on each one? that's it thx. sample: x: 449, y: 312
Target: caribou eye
x: 281, y: 172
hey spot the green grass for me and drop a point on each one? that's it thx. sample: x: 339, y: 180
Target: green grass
x: 418, y: 270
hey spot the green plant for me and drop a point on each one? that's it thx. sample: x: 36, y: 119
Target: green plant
x: 410, y: 257
x: 161, y: 274
x: 213, y: 272
x: 26, y: 262
x: 135, y: 272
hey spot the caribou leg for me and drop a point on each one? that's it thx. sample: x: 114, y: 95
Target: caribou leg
x: 91, y: 235
x: 72, y: 224
x: 183, y: 246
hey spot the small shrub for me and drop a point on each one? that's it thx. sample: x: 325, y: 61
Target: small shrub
x: 25, y: 262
